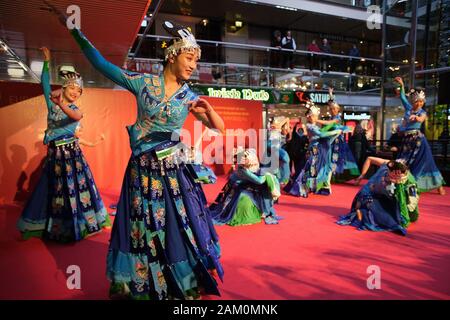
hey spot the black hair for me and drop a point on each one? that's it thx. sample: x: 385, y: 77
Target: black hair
x: 394, y: 165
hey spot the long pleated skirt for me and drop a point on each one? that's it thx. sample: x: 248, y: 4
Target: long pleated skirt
x: 163, y: 242
x: 65, y: 205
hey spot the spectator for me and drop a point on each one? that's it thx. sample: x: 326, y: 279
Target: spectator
x: 297, y: 148
x: 313, y: 47
x: 288, y: 43
x: 325, y: 60
x: 359, y: 145
x: 354, y: 52
x: 276, y: 54
x: 394, y: 141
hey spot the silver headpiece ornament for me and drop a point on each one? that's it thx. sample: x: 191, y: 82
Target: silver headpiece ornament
x: 184, y: 41
x: 417, y: 94
x: 248, y: 159
x: 312, y: 109
x: 70, y: 77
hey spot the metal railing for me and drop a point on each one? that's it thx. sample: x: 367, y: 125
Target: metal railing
x: 240, y: 75
x: 241, y: 64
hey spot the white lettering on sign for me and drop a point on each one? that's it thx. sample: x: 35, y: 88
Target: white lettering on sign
x: 319, y: 98
x: 246, y: 94
x: 353, y: 116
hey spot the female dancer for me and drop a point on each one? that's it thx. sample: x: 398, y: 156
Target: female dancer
x: 316, y: 175
x: 388, y: 202
x: 279, y: 129
x: 163, y: 240
x: 342, y: 158
x: 248, y: 194
x: 66, y: 205
x: 414, y: 148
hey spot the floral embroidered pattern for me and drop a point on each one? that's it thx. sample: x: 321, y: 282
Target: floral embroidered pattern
x: 141, y: 270
x: 144, y: 183
x: 85, y: 199
x: 58, y: 170
x: 159, y: 216
x: 137, y: 234
x: 157, y: 188
x: 137, y: 201
x: 174, y: 185
x: 161, y: 279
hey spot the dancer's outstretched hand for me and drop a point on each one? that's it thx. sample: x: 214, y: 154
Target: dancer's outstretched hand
x: 400, y: 81
x: 61, y: 16
x: 46, y: 52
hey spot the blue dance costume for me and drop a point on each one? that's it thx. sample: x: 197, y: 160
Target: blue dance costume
x: 342, y: 158
x: 384, y: 205
x: 163, y: 240
x: 65, y: 205
x: 416, y: 151
x: 246, y: 198
x: 316, y: 175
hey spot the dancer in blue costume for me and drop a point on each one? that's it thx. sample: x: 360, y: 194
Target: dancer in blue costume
x: 163, y: 243
x: 414, y: 148
x: 248, y: 195
x: 65, y: 205
x: 388, y: 202
x: 276, y: 142
x: 343, y: 161
x: 316, y: 175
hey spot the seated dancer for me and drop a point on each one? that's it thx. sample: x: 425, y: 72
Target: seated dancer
x: 163, y: 243
x: 343, y: 162
x: 65, y: 205
x: 414, y: 147
x: 248, y: 195
x: 316, y: 175
x: 388, y: 202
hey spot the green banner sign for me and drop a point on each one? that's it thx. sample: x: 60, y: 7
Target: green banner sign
x: 265, y: 95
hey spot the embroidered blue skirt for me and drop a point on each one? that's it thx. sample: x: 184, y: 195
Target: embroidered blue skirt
x: 316, y: 175
x: 163, y: 242
x: 244, y: 203
x: 343, y: 162
x: 380, y: 209
x: 65, y: 205
x: 416, y: 151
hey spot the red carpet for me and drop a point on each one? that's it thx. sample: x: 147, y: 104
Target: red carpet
x: 306, y: 256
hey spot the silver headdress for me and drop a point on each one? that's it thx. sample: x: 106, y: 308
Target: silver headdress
x: 248, y: 159
x: 312, y: 109
x: 70, y: 77
x: 184, y: 40
x: 417, y: 94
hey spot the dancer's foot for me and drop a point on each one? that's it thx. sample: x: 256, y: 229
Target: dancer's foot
x: 358, y: 180
x: 359, y: 214
x: 441, y: 191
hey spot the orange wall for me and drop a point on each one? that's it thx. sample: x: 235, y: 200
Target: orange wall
x: 105, y: 112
